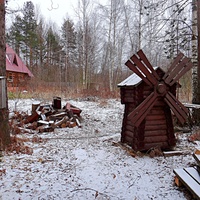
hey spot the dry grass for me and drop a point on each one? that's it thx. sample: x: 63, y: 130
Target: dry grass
x: 47, y: 92
x: 18, y: 146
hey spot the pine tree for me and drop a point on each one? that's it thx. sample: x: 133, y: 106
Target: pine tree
x: 29, y: 35
x: 69, y: 44
x: 14, y: 37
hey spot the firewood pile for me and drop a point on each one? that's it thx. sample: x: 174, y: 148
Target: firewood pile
x: 46, y: 117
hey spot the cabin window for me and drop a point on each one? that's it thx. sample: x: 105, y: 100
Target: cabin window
x: 15, y: 61
x: 10, y: 77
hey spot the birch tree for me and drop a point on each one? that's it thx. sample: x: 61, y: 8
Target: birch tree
x: 196, y: 58
x: 83, y: 14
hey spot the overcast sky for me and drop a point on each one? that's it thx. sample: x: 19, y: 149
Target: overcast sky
x: 62, y: 8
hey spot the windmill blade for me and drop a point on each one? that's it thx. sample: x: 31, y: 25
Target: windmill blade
x: 175, y: 62
x: 180, y: 66
x: 147, y: 63
x: 144, y: 69
x: 177, y: 107
x: 141, y: 111
x: 133, y: 67
x: 180, y: 74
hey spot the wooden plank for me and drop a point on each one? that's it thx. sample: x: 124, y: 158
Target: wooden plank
x: 156, y: 139
x: 175, y: 153
x: 155, y: 117
x: 177, y: 107
x: 188, y: 181
x: 155, y: 127
x: 183, y: 71
x: 156, y: 111
x: 128, y: 122
x: 147, y: 63
x: 194, y: 174
x: 175, y: 62
x: 138, y: 115
x: 144, y: 69
x: 190, y: 105
x: 155, y: 122
x: 178, y: 68
x: 155, y: 133
x: 132, y: 67
x: 128, y: 133
x: 130, y: 128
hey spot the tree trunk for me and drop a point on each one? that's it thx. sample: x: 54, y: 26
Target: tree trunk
x: 196, y: 59
x: 4, y: 128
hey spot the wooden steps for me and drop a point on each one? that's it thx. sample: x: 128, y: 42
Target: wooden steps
x: 190, y: 177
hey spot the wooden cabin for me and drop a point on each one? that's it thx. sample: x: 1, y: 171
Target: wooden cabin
x: 17, y: 73
x: 156, y: 130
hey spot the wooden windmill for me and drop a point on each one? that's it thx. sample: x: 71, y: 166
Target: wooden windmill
x: 149, y: 96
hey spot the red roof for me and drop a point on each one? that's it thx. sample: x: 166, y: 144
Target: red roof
x: 14, y: 63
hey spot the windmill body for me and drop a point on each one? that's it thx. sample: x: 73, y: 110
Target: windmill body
x: 149, y: 96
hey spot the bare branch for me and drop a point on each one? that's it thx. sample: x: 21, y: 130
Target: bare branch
x: 52, y: 6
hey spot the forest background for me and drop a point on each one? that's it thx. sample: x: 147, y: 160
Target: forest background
x: 88, y: 54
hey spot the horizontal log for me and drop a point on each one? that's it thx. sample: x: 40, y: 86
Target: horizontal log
x: 175, y: 153
x: 157, y: 110
x: 154, y: 116
x: 155, y: 122
x: 155, y: 127
x: 155, y: 133
x: 130, y: 128
x: 128, y: 133
x: 155, y: 139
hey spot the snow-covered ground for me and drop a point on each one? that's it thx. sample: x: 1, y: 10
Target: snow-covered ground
x: 82, y: 163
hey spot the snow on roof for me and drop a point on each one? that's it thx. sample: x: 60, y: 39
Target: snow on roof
x: 132, y: 80
x: 14, y: 63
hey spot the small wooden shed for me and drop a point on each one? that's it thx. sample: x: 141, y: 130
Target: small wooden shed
x: 149, y: 96
x: 157, y: 128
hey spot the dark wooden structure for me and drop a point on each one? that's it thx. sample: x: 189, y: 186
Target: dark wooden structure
x: 149, y: 96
